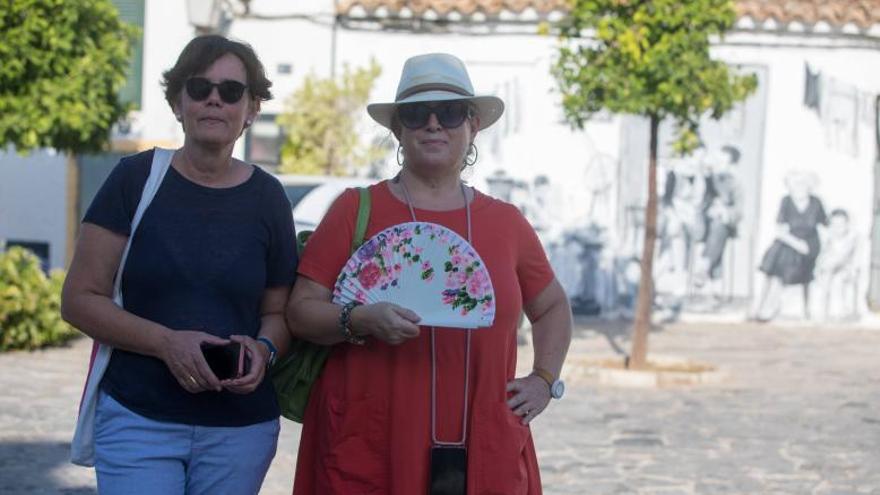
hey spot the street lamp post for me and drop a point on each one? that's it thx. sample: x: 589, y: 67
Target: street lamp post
x: 207, y: 16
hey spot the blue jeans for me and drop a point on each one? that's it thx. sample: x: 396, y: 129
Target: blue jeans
x: 136, y: 455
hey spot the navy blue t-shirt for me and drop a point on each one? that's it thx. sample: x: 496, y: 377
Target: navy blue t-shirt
x: 200, y: 259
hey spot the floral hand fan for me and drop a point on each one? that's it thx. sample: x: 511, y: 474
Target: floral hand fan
x: 423, y: 267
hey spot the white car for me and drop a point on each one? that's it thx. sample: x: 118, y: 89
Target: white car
x: 310, y: 196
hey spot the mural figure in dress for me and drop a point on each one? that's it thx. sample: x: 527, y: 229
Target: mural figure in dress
x: 791, y: 258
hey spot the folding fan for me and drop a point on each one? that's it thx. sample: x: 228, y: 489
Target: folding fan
x: 423, y: 267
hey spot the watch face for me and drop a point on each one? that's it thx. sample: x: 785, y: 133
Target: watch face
x: 557, y: 390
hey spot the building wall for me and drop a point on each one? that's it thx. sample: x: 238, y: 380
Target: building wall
x: 33, y: 199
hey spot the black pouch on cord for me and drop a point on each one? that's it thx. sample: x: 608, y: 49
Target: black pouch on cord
x: 448, y: 470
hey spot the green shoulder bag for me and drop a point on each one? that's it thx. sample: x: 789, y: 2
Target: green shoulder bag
x: 294, y: 375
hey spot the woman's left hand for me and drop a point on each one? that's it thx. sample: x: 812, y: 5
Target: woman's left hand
x: 531, y: 394
x: 258, y: 354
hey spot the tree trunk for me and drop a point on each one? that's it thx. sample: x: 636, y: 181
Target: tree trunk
x: 72, y: 207
x: 642, y: 324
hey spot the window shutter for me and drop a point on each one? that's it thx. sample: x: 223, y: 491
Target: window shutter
x: 132, y: 12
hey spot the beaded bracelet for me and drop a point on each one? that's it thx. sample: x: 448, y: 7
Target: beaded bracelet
x: 345, y: 324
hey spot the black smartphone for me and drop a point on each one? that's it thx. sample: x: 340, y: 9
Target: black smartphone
x: 448, y: 470
x: 227, y: 361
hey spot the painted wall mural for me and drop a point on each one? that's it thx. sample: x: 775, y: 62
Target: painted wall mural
x: 715, y: 254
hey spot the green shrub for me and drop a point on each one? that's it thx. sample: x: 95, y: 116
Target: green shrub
x: 30, y: 303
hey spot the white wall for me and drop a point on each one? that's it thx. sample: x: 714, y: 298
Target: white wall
x: 33, y: 199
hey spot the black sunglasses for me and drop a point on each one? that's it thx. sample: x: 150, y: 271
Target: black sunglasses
x: 200, y: 88
x: 450, y: 114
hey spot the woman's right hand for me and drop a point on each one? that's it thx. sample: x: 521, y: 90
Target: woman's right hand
x: 385, y: 321
x: 182, y: 353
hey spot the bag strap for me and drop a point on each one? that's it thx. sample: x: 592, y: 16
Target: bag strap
x: 363, y: 218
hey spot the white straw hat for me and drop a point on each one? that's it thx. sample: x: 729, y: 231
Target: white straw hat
x: 437, y: 77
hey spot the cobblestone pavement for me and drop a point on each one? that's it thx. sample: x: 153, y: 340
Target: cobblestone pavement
x: 800, y: 414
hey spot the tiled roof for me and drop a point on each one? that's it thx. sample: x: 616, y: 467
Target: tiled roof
x: 862, y: 13
x: 464, y: 7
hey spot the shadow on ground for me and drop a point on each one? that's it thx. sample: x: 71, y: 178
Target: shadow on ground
x: 41, y: 468
x: 617, y: 332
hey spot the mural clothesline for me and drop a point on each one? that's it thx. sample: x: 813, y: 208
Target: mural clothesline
x: 841, y: 106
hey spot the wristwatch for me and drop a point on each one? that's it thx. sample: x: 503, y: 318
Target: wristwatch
x: 273, y: 351
x: 557, y: 387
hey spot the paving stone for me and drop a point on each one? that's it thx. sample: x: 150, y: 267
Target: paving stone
x: 798, y: 415
x: 639, y: 442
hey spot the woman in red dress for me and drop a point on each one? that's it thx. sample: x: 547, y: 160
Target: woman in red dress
x: 379, y: 420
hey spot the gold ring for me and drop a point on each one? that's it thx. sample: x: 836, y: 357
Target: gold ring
x: 193, y: 380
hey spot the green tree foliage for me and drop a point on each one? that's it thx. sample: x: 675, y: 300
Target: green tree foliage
x: 30, y: 303
x: 62, y: 64
x: 321, y: 120
x: 648, y: 58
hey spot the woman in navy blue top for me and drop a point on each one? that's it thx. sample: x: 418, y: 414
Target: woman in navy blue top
x: 211, y: 262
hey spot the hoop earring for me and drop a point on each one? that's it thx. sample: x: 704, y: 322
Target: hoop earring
x: 471, y: 157
x: 401, y: 158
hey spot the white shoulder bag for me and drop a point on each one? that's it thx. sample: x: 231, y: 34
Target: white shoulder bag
x: 82, y: 448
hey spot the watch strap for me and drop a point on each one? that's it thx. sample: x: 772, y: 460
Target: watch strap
x: 273, y: 351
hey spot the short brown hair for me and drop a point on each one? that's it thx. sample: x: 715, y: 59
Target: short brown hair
x: 201, y: 52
